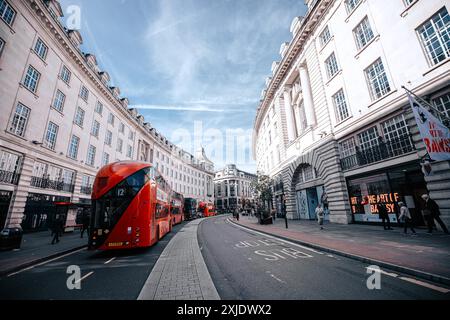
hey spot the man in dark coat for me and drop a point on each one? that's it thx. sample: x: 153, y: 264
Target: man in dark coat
x: 56, y: 229
x: 431, y: 212
x: 85, y: 224
x: 384, y: 216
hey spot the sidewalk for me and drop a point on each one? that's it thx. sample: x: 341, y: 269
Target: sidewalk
x: 424, y: 255
x: 180, y: 272
x: 36, y: 247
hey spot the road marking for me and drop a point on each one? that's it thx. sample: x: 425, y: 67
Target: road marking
x: 84, y: 277
x: 394, y: 275
x: 110, y: 260
x: 278, y: 239
x: 44, y: 262
x: 278, y: 279
x: 425, y: 284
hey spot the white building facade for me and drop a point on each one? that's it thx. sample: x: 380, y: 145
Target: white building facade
x: 61, y: 121
x: 334, y: 124
x: 234, y: 188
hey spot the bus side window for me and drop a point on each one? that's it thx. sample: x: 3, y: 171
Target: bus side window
x: 158, y: 210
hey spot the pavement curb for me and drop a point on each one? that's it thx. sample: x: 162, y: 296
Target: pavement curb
x: 39, y: 260
x: 414, y: 272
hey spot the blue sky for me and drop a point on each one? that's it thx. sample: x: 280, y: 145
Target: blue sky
x: 181, y: 61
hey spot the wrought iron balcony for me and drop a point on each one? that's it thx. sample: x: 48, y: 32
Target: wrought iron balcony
x: 86, y: 190
x: 46, y: 183
x: 382, y: 151
x: 9, y: 177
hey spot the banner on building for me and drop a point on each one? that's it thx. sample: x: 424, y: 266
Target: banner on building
x: 435, y: 135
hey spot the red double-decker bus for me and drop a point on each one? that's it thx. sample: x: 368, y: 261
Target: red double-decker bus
x: 206, y: 209
x: 176, y: 209
x: 130, y: 206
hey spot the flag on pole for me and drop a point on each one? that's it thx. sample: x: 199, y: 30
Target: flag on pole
x: 435, y: 135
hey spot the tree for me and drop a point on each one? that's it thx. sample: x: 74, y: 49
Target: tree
x: 264, y: 191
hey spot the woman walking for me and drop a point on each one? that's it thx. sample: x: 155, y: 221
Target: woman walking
x: 406, y: 215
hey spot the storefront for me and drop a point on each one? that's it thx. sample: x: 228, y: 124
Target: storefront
x: 403, y: 183
x: 5, y: 200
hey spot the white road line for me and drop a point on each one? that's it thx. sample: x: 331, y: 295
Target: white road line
x: 84, y: 277
x: 45, y: 262
x: 278, y: 279
x: 278, y: 239
x: 110, y: 260
x: 426, y: 285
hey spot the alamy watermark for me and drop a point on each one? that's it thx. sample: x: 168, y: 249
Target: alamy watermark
x: 74, y: 279
x: 373, y: 282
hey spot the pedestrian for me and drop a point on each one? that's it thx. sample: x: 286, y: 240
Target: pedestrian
x: 84, y: 224
x: 320, y: 215
x: 236, y: 211
x: 324, y: 200
x: 384, y: 216
x: 406, y: 216
x: 56, y: 229
x: 431, y: 212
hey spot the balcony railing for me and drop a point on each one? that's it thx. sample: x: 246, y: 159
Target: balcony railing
x: 382, y: 151
x: 86, y: 190
x: 45, y: 183
x: 9, y: 177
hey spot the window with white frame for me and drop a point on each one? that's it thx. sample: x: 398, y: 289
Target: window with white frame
x: 368, y: 139
x: 84, y: 93
x: 95, y: 128
x: 65, y: 74
x: 111, y: 119
x: 363, y: 33
x: 31, y: 79
x: 9, y: 162
x: 119, y: 145
x: 73, y: 147
x: 435, y: 36
x: 79, y: 117
x: 442, y: 103
x: 87, y: 181
x: 41, y: 49
x: 340, y: 105
x: 51, y: 135
x: 129, y: 151
x: 408, y: 2
x: 105, y: 159
x: 7, y: 13
x: 58, y: 102
x: 91, y: 155
x: 325, y: 36
x: 396, y: 135
x: 377, y: 80
x: 351, y: 5
x: 347, y: 148
x: 131, y: 135
x: 108, y: 138
x: 99, y: 108
x: 331, y: 66
x: 19, y: 120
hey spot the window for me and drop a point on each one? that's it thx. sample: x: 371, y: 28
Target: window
x: 408, y: 2
x: 105, y: 159
x: 331, y: 66
x: 73, y: 147
x: 7, y: 13
x: 435, y: 36
x: 58, y: 102
x: 50, y: 137
x: 351, y: 5
x: 2, y: 45
x: 129, y: 151
x: 41, y: 49
x: 99, y: 108
x: 325, y: 36
x: 377, y: 80
x: 442, y: 103
x: 19, y: 120
x: 121, y: 128
x: 340, y: 105
x: 368, y: 139
x: 65, y: 74
x: 347, y: 148
x: 108, y: 138
x: 84, y: 93
x: 363, y: 33
x: 119, y: 145
x: 79, y: 117
x: 95, y: 128
x: 396, y: 135
x: 111, y: 119
x: 91, y: 155
x: 275, y: 129
x: 31, y: 79
x: 131, y: 135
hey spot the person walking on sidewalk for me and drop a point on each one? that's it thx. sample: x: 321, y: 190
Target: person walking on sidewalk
x: 406, y: 216
x: 384, y: 216
x: 320, y: 215
x: 56, y: 229
x: 431, y: 212
x: 85, y: 224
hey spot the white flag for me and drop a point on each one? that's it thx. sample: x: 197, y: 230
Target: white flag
x: 435, y: 135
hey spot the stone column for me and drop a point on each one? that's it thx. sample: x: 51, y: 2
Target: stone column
x: 289, y: 114
x: 307, y: 95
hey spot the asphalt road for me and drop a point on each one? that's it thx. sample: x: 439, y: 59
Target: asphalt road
x: 246, y: 265
x: 105, y: 275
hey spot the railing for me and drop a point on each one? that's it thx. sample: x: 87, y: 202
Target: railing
x: 86, y: 190
x: 382, y: 151
x: 9, y: 177
x: 45, y: 183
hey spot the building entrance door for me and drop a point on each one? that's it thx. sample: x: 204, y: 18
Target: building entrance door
x: 5, y: 200
x: 311, y: 194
